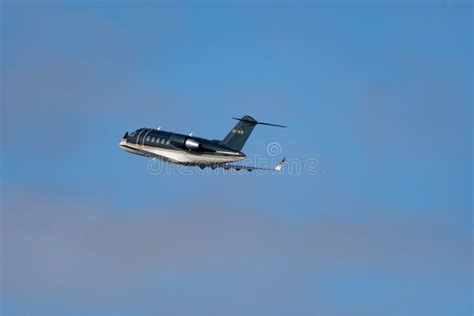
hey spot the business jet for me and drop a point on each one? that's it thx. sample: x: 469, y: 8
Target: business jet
x: 196, y: 151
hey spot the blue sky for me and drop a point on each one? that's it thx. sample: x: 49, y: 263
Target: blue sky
x: 380, y: 95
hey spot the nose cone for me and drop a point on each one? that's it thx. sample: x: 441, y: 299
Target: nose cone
x: 123, y: 141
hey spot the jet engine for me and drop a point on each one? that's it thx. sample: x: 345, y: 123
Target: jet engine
x: 186, y: 142
x: 192, y: 144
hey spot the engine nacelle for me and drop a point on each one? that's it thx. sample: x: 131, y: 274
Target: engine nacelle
x: 191, y: 144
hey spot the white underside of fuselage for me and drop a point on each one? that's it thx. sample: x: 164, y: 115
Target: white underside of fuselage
x: 177, y: 155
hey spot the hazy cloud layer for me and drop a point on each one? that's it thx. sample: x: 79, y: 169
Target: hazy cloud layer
x: 224, y: 260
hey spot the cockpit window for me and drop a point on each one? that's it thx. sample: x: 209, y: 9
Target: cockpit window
x: 132, y: 133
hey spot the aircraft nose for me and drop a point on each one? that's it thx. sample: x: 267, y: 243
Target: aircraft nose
x: 123, y: 141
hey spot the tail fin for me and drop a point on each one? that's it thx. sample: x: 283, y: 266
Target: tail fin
x: 238, y: 136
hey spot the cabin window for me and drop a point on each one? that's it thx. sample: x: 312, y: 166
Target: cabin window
x: 157, y: 140
x: 168, y: 142
x: 148, y: 138
x: 163, y: 141
x: 153, y: 139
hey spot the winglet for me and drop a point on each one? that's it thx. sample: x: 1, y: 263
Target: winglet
x: 280, y: 165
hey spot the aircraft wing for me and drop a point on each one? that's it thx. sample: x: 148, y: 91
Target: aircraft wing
x: 278, y: 167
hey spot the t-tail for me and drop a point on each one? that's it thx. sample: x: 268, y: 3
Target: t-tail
x: 238, y: 136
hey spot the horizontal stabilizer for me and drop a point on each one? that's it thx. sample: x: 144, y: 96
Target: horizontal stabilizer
x: 256, y: 122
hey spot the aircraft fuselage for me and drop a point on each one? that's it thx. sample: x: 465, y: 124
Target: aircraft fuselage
x: 178, y: 148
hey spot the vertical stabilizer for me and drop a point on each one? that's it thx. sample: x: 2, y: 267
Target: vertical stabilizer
x: 240, y: 133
